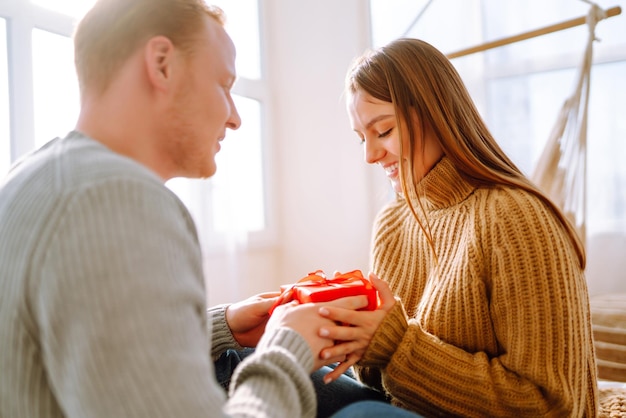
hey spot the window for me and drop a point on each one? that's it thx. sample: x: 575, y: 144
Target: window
x: 41, y: 85
x: 235, y: 181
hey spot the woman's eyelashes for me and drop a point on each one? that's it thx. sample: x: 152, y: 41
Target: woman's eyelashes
x: 380, y: 135
x: 385, y: 134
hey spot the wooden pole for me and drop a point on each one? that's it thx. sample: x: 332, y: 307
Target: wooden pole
x: 613, y: 11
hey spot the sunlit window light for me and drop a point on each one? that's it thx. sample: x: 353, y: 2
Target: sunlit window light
x: 242, y: 25
x: 55, y: 86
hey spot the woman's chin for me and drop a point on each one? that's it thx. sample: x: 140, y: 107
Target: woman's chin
x: 396, y: 186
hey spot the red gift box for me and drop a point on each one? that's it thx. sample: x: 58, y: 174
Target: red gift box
x: 317, y: 288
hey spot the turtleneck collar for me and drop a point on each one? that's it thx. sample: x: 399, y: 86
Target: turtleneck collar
x: 443, y: 186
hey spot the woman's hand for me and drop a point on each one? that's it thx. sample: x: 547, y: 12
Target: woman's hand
x: 355, y: 338
x: 247, y: 318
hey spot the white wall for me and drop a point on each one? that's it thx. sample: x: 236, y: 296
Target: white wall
x: 324, y: 193
x: 606, y: 263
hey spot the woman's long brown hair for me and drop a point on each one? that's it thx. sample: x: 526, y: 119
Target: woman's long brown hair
x: 422, y: 84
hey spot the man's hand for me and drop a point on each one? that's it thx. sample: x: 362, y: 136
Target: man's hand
x: 247, y: 318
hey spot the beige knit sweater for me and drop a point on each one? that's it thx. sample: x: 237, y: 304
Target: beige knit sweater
x: 500, y: 326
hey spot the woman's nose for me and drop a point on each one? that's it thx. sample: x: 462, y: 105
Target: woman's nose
x: 373, y: 151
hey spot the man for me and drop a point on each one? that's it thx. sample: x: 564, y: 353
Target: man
x: 102, y: 299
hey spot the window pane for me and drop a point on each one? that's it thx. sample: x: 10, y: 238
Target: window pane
x: 242, y: 24
x: 55, y: 86
x: 238, y: 183
x: 523, y: 109
x: 75, y: 8
x: 5, y: 132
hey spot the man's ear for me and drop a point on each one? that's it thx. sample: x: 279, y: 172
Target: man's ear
x: 159, y: 59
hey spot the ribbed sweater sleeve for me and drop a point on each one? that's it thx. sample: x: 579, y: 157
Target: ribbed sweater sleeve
x: 500, y: 325
x: 103, y: 305
x: 222, y: 338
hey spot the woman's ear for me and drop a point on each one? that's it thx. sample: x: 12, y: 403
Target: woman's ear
x: 159, y: 59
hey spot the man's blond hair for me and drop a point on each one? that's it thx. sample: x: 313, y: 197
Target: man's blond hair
x: 113, y: 30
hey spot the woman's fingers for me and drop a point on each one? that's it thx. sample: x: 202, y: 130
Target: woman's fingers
x: 305, y: 319
x: 337, y: 359
x: 343, y: 349
x: 365, y: 319
x: 342, y: 332
x: 341, y: 368
x: 353, y: 329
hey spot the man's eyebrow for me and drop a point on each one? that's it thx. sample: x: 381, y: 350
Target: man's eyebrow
x: 377, y: 119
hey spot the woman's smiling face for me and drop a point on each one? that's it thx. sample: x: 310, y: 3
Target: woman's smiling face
x: 374, y: 121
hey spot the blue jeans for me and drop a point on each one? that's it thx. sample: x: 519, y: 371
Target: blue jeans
x: 374, y: 409
x: 331, y: 397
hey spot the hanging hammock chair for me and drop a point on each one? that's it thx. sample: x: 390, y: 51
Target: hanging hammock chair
x: 561, y: 169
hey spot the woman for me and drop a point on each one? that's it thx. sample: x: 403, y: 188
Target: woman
x: 492, y: 317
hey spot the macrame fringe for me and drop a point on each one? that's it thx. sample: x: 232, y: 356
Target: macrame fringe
x: 561, y: 169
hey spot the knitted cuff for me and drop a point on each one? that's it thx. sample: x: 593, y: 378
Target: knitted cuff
x: 221, y: 337
x: 290, y: 340
x: 387, y: 338
x: 279, y: 371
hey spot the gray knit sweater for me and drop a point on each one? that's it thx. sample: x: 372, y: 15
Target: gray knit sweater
x: 102, y: 301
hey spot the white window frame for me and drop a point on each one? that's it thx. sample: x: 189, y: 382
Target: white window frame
x: 21, y: 18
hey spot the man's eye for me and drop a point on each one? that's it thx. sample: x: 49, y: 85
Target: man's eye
x: 385, y: 134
